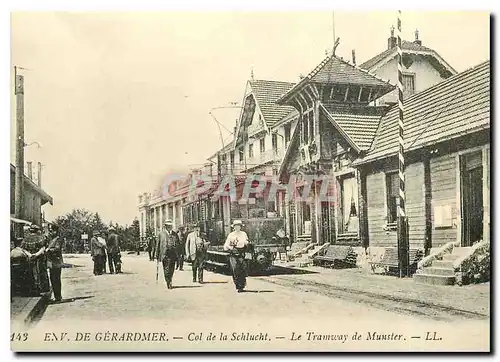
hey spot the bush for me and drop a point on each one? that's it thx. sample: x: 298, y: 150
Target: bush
x: 476, y: 268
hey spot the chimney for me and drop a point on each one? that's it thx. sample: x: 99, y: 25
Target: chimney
x: 392, y: 41
x: 354, y: 56
x: 30, y: 170
x: 39, y: 174
x: 417, y: 41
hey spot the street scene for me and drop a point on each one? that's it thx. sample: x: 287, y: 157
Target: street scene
x: 331, y: 199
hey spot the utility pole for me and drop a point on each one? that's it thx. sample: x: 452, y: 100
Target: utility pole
x: 403, y: 245
x: 19, y: 189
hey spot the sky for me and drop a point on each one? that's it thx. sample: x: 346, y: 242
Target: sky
x: 117, y: 100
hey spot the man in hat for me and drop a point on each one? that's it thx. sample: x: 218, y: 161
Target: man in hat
x: 181, y: 248
x: 236, y: 243
x: 196, y: 250
x: 55, y: 261
x: 114, y: 257
x: 22, y: 268
x: 168, y: 242
x: 98, y: 253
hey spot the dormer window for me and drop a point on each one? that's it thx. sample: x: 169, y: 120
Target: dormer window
x: 408, y: 84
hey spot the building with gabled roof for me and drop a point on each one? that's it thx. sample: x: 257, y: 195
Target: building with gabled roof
x: 336, y: 124
x: 447, y: 159
x: 423, y: 67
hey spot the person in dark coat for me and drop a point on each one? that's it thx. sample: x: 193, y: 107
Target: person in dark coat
x: 181, y: 248
x: 150, y: 247
x: 114, y: 256
x: 21, y: 265
x: 55, y: 261
x: 98, y: 253
x: 168, y: 241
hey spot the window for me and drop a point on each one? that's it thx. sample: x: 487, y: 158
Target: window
x: 409, y: 84
x: 392, y: 190
x: 311, y: 125
x: 250, y: 150
x: 287, y: 133
x: 241, y: 154
x: 262, y: 143
x: 305, y: 129
x: 274, y: 141
x: 231, y: 158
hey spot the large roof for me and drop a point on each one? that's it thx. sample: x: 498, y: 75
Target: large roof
x: 336, y: 70
x: 408, y: 47
x: 266, y: 92
x: 449, y: 109
x: 27, y: 181
x: 357, y: 128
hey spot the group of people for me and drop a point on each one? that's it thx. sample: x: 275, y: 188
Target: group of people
x: 24, y: 264
x: 102, y: 249
x: 171, y: 248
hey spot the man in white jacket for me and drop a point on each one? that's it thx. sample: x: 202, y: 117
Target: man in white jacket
x: 196, y: 250
x: 236, y: 243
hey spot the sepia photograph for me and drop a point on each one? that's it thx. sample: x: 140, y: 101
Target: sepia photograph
x: 250, y: 181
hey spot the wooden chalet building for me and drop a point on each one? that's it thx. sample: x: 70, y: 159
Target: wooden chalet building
x: 447, y: 154
x: 334, y: 113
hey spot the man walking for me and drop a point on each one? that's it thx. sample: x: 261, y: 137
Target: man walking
x: 97, y: 252
x: 114, y: 257
x: 236, y: 243
x: 181, y: 249
x: 168, y: 242
x: 55, y: 261
x: 196, y: 250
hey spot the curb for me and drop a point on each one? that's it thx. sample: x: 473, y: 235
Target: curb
x: 32, y: 310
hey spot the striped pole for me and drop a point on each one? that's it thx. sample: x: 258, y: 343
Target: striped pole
x: 402, y: 225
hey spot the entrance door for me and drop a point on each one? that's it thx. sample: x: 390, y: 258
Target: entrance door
x: 472, y: 199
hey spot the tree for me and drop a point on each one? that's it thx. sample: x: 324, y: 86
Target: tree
x: 136, y: 229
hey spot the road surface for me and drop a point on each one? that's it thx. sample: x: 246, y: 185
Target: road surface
x: 122, y: 312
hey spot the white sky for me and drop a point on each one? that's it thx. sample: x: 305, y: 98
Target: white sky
x: 116, y: 100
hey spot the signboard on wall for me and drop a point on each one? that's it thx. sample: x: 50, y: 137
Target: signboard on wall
x: 443, y: 216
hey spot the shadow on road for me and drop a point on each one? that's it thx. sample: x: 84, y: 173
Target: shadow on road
x: 258, y: 291
x: 281, y: 270
x: 216, y: 282
x: 69, y: 300
x: 185, y: 286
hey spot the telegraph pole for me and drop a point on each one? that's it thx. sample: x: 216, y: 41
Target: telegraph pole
x: 403, y: 245
x: 18, y: 203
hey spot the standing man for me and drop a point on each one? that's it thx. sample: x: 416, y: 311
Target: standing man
x: 181, y: 249
x: 150, y: 247
x: 114, y: 257
x: 97, y: 252
x: 236, y: 243
x: 168, y: 242
x: 196, y: 250
x: 55, y: 261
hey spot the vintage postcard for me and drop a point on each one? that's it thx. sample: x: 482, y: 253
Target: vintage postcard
x: 250, y: 181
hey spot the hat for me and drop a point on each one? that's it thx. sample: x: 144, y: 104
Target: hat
x: 168, y: 221
x: 97, y: 232
x: 237, y: 222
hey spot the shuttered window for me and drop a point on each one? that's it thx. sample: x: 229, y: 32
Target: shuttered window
x: 392, y: 190
x: 408, y: 84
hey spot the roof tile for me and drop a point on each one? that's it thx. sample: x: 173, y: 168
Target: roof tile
x: 266, y: 93
x: 459, y: 104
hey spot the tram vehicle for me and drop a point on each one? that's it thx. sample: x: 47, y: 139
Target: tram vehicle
x: 264, y: 226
